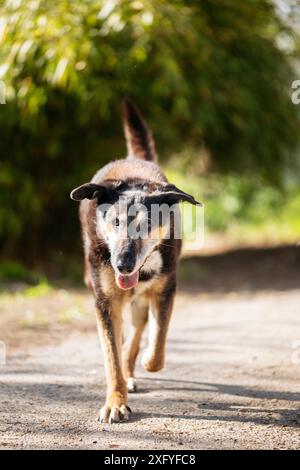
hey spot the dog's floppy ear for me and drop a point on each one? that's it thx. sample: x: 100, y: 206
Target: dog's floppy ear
x: 87, y: 191
x: 107, y: 190
x: 170, y: 194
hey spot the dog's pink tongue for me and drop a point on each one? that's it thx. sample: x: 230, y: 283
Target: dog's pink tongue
x: 127, y: 282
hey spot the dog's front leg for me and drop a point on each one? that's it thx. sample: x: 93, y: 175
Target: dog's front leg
x: 161, y: 305
x: 109, y: 322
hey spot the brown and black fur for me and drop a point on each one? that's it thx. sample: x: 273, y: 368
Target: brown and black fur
x: 152, y: 299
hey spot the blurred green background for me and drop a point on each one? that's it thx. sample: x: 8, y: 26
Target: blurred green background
x: 213, y: 79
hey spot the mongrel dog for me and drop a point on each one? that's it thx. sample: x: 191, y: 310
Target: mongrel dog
x: 121, y: 267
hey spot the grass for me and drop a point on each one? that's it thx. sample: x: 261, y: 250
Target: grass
x: 40, y: 290
x: 14, y: 271
x: 31, y: 284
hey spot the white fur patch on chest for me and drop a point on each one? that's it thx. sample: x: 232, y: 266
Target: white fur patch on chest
x: 153, y: 264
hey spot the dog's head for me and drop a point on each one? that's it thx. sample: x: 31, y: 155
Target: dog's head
x: 133, y: 217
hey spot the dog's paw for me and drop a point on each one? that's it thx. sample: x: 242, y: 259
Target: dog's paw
x: 131, y: 385
x: 115, y: 409
x: 152, y: 362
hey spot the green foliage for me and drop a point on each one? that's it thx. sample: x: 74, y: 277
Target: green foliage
x: 40, y: 290
x: 205, y: 73
x: 14, y: 271
x: 245, y: 209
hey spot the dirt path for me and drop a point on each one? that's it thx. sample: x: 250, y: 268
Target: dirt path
x: 231, y: 381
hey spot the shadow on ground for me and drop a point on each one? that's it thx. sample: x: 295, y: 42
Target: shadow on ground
x: 215, y: 406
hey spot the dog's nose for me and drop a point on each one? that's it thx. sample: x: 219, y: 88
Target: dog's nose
x: 126, y: 263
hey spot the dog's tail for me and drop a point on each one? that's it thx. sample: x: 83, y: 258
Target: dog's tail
x: 140, y: 143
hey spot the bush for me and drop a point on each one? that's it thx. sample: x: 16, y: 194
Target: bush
x: 205, y: 73
x: 245, y: 209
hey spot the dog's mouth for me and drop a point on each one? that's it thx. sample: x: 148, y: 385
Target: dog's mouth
x: 129, y: 281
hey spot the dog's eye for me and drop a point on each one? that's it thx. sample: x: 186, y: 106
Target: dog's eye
x: 116, y: 222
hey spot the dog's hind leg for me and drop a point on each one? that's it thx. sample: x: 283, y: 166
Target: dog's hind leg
x: 139, y: 316
x: 161, y: 305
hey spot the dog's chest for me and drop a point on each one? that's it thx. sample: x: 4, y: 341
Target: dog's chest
x: 141, y: 289
x: 148, y: 274
x: 153, y: 264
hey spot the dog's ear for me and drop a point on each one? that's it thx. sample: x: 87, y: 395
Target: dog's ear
x: 88, y: 191
x: 170, y: 194
x: 107, y: 190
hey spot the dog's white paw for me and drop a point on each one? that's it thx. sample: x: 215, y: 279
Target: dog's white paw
x: 114, y: 414
x: 114, y: 410
x: 131, y: 385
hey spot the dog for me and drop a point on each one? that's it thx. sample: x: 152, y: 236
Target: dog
x: 124, y: 269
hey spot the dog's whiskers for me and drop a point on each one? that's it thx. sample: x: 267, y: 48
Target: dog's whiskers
x: 166, y: 244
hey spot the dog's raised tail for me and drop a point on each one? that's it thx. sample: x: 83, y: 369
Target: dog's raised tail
x: 140, y: 143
